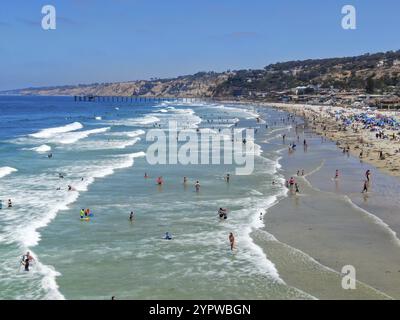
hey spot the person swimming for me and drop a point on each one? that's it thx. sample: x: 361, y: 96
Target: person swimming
x: 167, y: 236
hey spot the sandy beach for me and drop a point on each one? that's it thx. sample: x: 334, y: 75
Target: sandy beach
x: 355, y: 137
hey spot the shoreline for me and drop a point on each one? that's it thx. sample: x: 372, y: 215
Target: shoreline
x: 310, y: 236
x: 318, y: 119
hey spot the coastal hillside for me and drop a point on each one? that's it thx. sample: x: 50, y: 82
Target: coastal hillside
x: 374, y: 73
x: 369, y: 73
x: 200, y: 84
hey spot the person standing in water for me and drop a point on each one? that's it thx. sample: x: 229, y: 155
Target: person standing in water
x: 131, y: 216
x: 1, y: 204
x: 197, y: 186
x: 297, y: 188
x: 337, y: 174
x: 231, y: 240
x: 184, y: 180
x: 227, y: 177
x: 9, y: 203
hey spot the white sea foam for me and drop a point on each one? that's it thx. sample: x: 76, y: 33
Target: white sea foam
x: 37, y: 213
x: 376, y: 220
x: 41, y: 149
x: 50, y: 132
x: 5, y: 171
x: 131, y: 134
x: 72, y: 137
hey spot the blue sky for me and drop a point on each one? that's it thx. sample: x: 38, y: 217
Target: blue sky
x: 122, y: 40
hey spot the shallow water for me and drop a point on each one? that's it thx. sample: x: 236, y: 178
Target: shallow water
x: 99, y: 150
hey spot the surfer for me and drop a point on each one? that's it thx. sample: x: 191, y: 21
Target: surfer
x: 231, y: 240
x: 223, y: 213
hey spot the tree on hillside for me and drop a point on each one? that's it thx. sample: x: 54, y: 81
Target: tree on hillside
x: 370, y: 85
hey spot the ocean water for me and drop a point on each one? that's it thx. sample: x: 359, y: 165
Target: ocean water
x: 100, y: 150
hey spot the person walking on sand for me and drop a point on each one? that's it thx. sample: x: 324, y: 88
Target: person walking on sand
x: 365, y: 189
x: 367, y: 174
x: 232, y: 241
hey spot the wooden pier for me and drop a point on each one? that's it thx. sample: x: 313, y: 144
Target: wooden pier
x: 133, y: 99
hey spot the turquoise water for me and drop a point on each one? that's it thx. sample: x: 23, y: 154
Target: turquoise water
x: 100, y: 148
